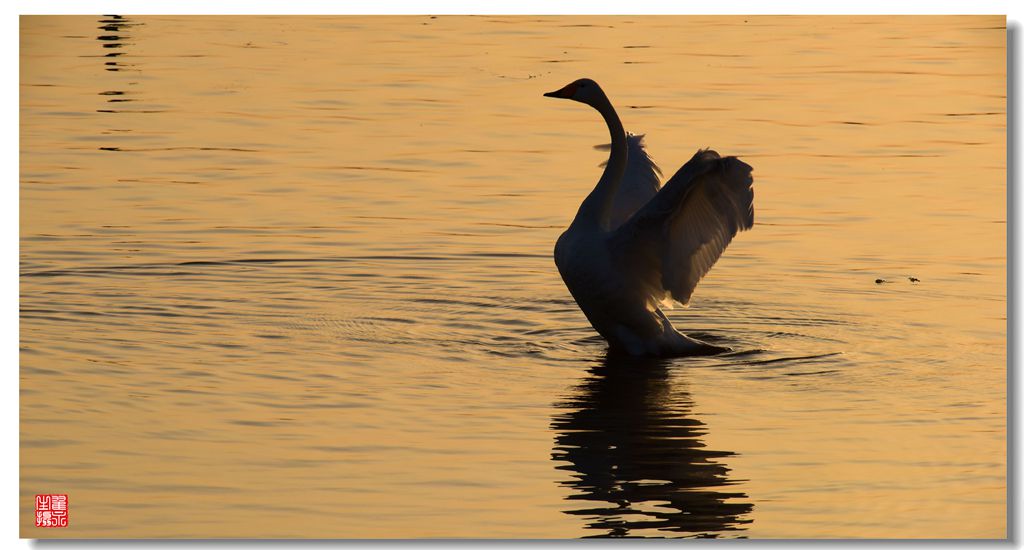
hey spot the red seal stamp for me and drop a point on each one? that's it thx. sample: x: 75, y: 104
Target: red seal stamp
x: 51, y: 510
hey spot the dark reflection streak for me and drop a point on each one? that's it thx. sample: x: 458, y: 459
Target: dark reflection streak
x: 115, y: 27
x: 633, y: 451
x: 113, y: 35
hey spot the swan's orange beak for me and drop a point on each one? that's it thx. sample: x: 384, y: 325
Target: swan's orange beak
x: 565, y: 93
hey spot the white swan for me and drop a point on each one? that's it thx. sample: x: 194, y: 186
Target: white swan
x: 635, y: 245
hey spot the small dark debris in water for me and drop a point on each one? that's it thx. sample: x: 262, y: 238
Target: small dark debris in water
x: 914, y: 279
x: 880, y: 281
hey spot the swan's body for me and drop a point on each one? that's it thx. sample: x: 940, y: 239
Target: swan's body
x: 635, y: 245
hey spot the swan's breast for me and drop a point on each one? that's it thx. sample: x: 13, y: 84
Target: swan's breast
x: 585, y: 265
x: 616, y: 306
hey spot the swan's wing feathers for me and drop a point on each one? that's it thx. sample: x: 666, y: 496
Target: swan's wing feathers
x: 640, y: 182
x: 719, y: 205
x: 673, y: 241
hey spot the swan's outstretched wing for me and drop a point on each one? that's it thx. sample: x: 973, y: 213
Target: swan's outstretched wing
x: 672, y: 242
x: 639, y: 184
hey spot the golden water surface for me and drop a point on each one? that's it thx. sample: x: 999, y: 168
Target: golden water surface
x: 292, y: 277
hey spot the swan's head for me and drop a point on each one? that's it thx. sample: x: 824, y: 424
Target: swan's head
x: 583, y: 90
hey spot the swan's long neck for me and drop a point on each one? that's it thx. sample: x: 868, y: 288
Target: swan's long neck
x: 596, y: 208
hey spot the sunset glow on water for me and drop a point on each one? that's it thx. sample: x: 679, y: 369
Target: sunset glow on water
x: 292, y: 277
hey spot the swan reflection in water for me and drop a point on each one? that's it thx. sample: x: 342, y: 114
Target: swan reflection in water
x: 639, y: 467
